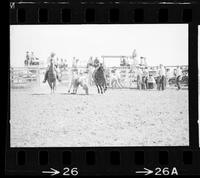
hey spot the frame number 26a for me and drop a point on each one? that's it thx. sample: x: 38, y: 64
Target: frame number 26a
x: 165, y: 171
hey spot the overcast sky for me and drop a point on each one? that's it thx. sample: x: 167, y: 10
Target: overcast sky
x: 160, y: 44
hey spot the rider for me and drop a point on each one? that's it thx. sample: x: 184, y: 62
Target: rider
x: 50, y: 59
x: 96, y: 62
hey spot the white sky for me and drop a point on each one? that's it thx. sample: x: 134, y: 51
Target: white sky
x: 159, y: 43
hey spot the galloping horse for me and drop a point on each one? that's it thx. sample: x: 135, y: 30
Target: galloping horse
x: 52, y: 77
x: 99, y: 79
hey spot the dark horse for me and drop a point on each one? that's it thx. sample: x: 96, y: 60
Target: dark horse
x: 52, y: 77
x: 99, y: 79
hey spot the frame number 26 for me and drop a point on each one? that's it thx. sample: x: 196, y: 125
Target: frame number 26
x: 70, y: 172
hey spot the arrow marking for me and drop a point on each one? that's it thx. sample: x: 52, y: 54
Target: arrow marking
x: 145, y: 172
x: 53, y: 172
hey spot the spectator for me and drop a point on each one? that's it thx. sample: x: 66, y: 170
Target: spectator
x: 139, y: 78
x: 74, y: 63
x: 61, y: 65
x: 27, y: 60
x: 32, y: 58
x: 65, y: 64
x: 161, y: 77
x: 145, y: 77
x: 167, y: 77
x: 90, y: 62
x: 178, y: 77
x: 90, y: 69
x: 56, y: 63
x: 151, y: 82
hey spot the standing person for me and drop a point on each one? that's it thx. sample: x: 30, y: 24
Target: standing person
x: 162, y: 77
x: 90, y: 62
x: 178, y: 77
x: 27, y: 60
x: 115, y: 79
x: 65, y: 64
x: 56, y: 62
x: 90, y: 68
x: 151, y: 82
x: 167, y: 77
x: 32, y: 58
x: 119, y: 78
x: 74, y: 62
x: 146, y: 75
x: 134, y: 57
x: 61, y: 64
x: 139, y: 78
x: 73, y: 81
x: 73, y: 74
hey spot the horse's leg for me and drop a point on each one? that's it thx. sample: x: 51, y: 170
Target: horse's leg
x: 101, y: 88
x: 50, y: 85
x: 76, y: 89
x: 119, y: 83
x: 71, y: 84
x: 86, y: 89
x: 51, y: 88
x: 97, y: 88
x: 54, y: 86
x: 105, y: 86
x: 112, y: 83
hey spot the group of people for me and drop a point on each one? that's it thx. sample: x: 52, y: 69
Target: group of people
x: 61, y: 63
x: 148, y: 80
x: 145, y: 80
x: 30, y: 59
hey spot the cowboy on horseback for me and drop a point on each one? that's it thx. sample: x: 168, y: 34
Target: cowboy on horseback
x: 51, y: 59
x: 99, y: 76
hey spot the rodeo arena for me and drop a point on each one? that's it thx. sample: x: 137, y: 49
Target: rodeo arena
x: 55, y: 102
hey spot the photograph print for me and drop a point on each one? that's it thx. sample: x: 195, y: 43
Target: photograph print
x: 99, y: 85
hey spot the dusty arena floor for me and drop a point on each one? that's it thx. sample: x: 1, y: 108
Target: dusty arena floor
x: 126, y: 117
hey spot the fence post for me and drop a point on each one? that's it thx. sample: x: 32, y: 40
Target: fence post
x: 38, y: 76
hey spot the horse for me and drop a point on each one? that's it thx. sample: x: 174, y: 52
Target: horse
x: 52, y: 77
x: 99, y: 79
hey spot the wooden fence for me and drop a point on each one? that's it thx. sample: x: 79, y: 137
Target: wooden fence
x: 33, y: 76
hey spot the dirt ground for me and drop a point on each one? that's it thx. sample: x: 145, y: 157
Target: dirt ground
x: 120, y: 117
